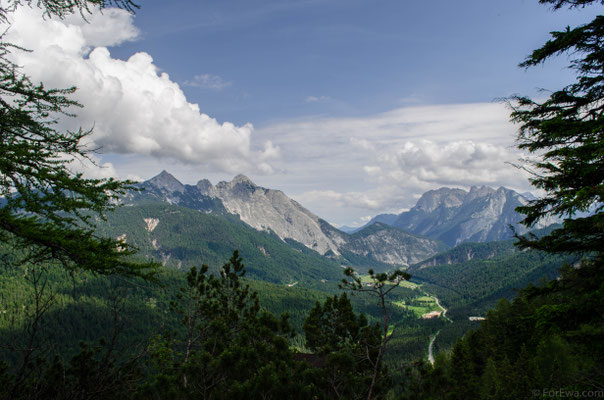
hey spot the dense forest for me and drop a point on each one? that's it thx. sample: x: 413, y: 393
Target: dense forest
x: 85, y: 316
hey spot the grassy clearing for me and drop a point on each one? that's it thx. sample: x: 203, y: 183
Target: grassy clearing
x: 419, y: 306
x: 406, y: 284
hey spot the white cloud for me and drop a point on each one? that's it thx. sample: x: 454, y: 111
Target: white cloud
x: 133, y: 107
x: 457, y: 163
x: 93, y: 168
x: 372, y: 169
x: 349, y: 199
x: 341, y: 168
x: 108, y: 28
x: 316, y: 99
x: 345, y: 167
x: 208, y: 81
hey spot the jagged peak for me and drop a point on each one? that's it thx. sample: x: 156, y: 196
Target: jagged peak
x: 481, y: 188
x: 165, y: 180
x: 242, y: 179
x: 479, y: 192
x: 448, y: 197
x: 204, y: 186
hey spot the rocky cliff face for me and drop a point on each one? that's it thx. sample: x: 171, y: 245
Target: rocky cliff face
x: 455, y: 216
x: 271, y: 210
x: 391, y: 245
x: 261, y: 208
x: 268, y: 209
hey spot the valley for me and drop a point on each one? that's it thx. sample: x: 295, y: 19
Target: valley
x: 293, y: 259
x: 295, y: 251
x: 348, y: 212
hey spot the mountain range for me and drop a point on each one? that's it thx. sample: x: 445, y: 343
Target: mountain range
x: 441, y: 219
x: 285, y: 244
x: 271, y: 211
x: 455, y: 216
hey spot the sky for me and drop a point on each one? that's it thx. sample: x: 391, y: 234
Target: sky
x: 351, y: 107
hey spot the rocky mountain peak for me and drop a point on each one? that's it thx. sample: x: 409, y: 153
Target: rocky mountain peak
x: 273, y: 211
x: 238, y: 181
x: 455, y: 215
x: 241, y: 188
x: 205, y: 187
x: 445, y: 197
x: 166, y: 181
x: 242, y: 179
x: 480, y: 192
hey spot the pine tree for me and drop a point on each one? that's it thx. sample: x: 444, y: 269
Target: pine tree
x: 229, y: 348
x: 46, y: 208
x: 381, y: 285
x: 348, y: 345
x: 566, y: 133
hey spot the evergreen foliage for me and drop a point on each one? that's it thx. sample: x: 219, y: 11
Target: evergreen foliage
x: 547, y: 342
x: 184, y: 238
x: 227, y: 345
x: 349, y: 346
x: 473, y: 287
x: 381, y: 285
x: 231, y: 348
x: 46, y: 207
x: 565, y: 132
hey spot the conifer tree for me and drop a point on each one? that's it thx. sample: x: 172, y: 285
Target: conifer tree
x: 231, y: 348
x: 566, y: 133
x: 381, y: 285
x: 348, y: 344
x: 45, y: 207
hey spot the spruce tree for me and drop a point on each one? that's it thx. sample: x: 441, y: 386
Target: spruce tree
x: 565, y: 132
x: 45, y: 208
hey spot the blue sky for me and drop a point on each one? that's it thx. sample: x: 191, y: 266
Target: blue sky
x: 351, y: 107
x: 352, y: 57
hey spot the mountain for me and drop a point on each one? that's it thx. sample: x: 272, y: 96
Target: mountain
x: 391, y: 245
x: 262, y: 209
x: 165, y: 188
x: 271, y: 211
x: 468, y: 252
x: 268, y: 209
x: 181, y: 237
x: 349, y: 229
x: 489, y: 272
x: 387, y: 219
x: 454, y: 216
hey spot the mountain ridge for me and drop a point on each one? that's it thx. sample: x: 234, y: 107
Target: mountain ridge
x: 271, y: 210
x: 455, y: 216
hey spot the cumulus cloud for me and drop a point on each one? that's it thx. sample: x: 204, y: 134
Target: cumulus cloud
x: 346, y: 167
x: 349, y: 199
x: 133, y: 107
x: 109, y: 28
x: 208, y: 81
x: 457, y: 163
x: 93, y: 167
